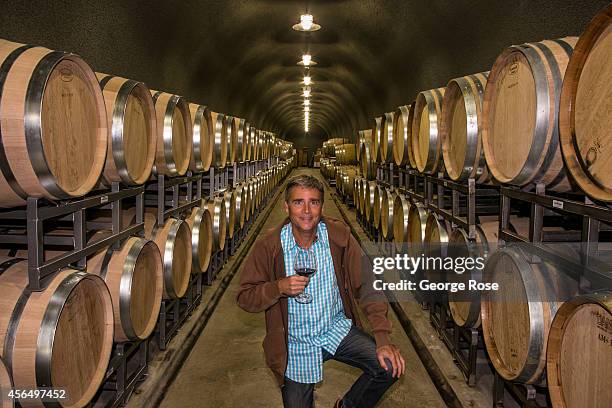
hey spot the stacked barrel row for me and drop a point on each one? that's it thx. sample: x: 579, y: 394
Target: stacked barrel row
x: 539, y: 116
x: 65, y: 131
x: 117, y: 128
x: 70, y: 327
x: 538, y: 328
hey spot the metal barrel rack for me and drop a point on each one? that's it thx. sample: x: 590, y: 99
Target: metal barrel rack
x: 127, y: 368
x: 592, y: 219
x: 591, y: 273
x: 128, y: 363
x: 172, y: 197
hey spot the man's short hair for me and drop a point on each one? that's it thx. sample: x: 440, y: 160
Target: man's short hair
x: 304, y: 181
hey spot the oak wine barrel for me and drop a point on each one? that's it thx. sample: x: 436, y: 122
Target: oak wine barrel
x: 216, y: 207
x: 241, y: 205
x: 367, y: 161
x: 376, y: 203
x: 61, y: 337
x: 377, y: 130
x: 173, y: 239
x: 230, y: 211
x: 232, y: 139
x: 387, y: 136
x: 370, y: 189
x: 411, y: 160
x: 386, y: 213
x: 356, y: 193
x: 461, y: 128
x: 426, y: 141
x: 134, y: 278
x: 435, y: 244
x: 174, y: 134
x: 219, y: 139
x: 465, y: 306
x: 200, y: 224
x: 401, y: 136
x: 516, y: 318
x: 401, y: 211
x: 241, y: 138
x: 133, y: 130
x: 51, y: 111
x: 579, y: 354
x: 417, y: 222
x: 250, y: 140
x: 585, y: 115
x: 202, y: 147
x: 520, y: 132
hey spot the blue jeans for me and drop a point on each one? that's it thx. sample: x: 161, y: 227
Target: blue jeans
x: 357, y: 349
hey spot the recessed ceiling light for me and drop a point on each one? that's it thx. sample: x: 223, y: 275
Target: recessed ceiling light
x: 307, y: 92
x: 306, y: 102
x: 307, y: 61
x: 307, y: 79
x: 306, y: 24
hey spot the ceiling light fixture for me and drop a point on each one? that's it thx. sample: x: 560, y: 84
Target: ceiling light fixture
x: 307, y: 79
x: 306, y: 102
x: 307, y: 92
x: 306, y: 24
x: 307, y: 61
x: 306, y: 108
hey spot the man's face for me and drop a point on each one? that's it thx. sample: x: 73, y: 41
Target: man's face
x: 304, y: 208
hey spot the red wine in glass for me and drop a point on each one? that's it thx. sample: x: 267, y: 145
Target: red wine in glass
x: 304, y: 264
x: 305, y: 271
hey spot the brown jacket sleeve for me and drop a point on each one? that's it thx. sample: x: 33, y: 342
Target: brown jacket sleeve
x: 373, y: 303
x: 257, y: 290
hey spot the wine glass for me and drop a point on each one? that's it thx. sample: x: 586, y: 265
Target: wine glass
x: 304, y: 264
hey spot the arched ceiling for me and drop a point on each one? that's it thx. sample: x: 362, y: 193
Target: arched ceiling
x: 239, y: 56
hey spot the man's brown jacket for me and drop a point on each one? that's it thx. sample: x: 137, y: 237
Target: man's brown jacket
x: 259, y: 290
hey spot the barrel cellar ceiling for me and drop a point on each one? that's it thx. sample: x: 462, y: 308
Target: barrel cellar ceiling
x: 240, y: 56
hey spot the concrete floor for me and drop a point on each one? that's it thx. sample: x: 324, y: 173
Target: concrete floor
x: 226, y: 367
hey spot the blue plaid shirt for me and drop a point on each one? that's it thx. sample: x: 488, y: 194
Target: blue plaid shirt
x: 314, y: 326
